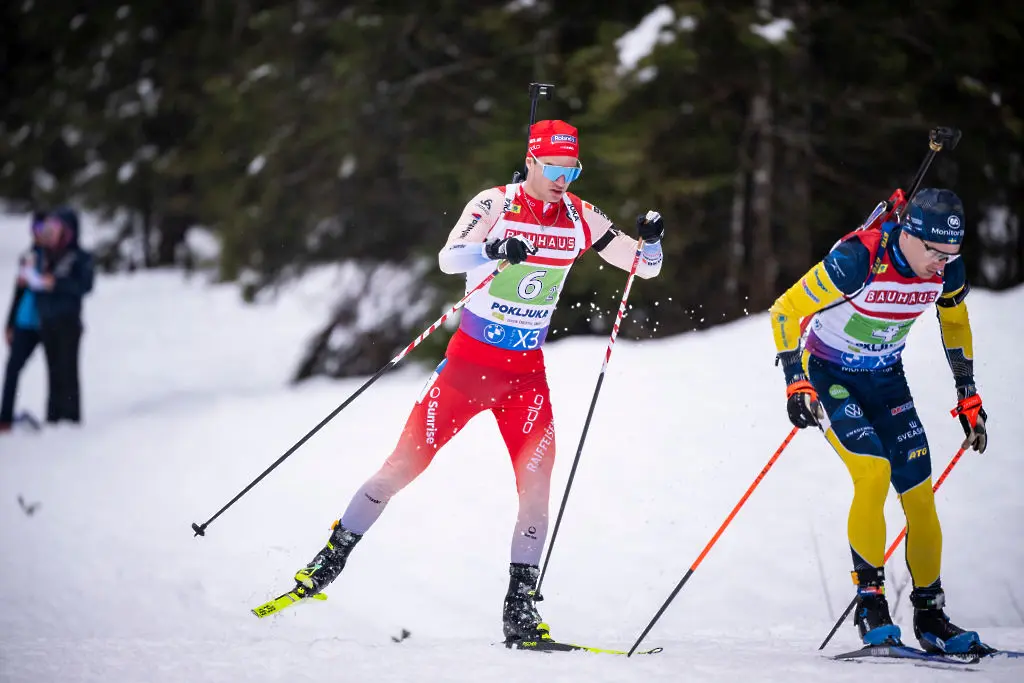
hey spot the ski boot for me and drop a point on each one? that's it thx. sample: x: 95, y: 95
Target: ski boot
x: 328, y: 563
x: 872, y: 612
x: 935, y: 631
x: 520, y: 618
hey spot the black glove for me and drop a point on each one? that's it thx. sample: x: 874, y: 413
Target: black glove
x: 972, y: 418
x: 802, y: 404
x: 513, y: 249
x: 650, y: 227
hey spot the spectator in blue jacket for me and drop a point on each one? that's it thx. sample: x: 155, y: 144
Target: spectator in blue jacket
x: 62, y: 281
x: 22, y: 329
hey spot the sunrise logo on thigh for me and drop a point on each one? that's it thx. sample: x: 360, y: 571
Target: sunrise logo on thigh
x: 431, y: 421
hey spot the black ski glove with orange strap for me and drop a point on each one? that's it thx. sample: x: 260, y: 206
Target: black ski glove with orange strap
x: 972, y: 418
x: 801, y: 398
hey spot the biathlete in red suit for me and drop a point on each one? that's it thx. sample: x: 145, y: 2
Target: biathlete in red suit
x: 495, y: 361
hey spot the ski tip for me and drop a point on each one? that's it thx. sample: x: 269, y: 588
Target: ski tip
x: 283, y: 601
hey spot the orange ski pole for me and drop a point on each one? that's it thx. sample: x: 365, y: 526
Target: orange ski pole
x: 714, y: 539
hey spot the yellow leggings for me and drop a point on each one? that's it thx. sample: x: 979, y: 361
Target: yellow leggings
x: 866, y: 525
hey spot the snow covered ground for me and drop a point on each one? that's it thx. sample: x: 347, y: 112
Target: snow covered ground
x: 186, y: 401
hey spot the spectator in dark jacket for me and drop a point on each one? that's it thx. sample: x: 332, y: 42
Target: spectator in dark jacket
x: 22, y: 329
x: 66, y: 276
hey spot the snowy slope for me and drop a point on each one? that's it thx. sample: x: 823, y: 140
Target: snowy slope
x: 186, y: 402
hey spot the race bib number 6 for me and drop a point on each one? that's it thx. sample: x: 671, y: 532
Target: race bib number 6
x: 528, y: 284
x: 531, y: 285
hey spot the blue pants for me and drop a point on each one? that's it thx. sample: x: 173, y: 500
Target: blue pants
x: 874, y: 427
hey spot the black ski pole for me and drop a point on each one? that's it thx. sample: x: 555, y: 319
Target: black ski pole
x: 536, y: 90
x: 200, y: 529
x: 593, y: 402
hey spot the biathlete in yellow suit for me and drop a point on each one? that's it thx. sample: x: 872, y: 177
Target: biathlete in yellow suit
x: 862, y: 299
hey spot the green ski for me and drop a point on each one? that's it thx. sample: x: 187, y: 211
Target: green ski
x: 547, y: 644
x: 287, y: 600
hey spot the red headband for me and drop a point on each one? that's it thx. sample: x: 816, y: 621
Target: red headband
x: 554, y: 139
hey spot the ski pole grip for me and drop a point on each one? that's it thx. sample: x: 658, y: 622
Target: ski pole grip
x: 538, y: 89
x: 939, y: 138
x: 943, y: 137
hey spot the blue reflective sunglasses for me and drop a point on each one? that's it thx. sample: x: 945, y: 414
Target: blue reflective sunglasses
x: 553, y: 173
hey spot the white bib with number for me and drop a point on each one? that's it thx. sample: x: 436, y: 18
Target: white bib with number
x: 514, y: 311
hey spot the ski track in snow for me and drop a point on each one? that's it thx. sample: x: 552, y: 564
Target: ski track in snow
x: 186, y: 401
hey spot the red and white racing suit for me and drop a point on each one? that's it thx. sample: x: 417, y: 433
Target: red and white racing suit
x: 494, y: 361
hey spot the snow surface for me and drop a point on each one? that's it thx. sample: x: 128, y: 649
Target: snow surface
x: 186, y: 402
